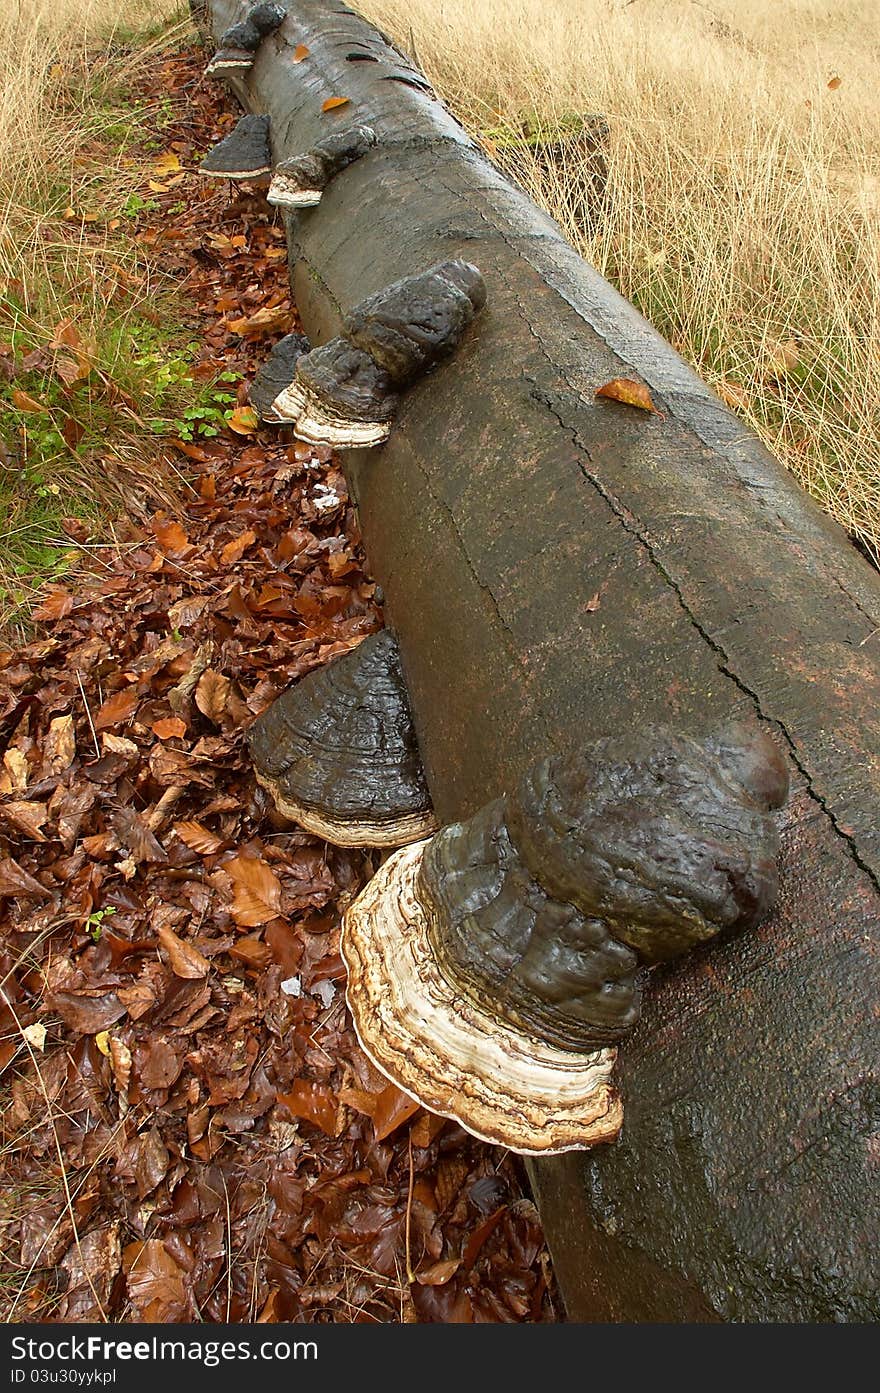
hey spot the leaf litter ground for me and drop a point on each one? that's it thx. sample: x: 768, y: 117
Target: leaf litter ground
x: 191, y: 1132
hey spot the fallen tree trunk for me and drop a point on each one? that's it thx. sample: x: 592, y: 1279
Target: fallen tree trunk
x: 557, y: 567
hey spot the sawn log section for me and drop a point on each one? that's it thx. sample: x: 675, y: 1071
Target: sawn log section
x: 558, y: 567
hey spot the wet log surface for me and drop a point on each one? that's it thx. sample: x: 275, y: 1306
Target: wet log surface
x: 558, y: 568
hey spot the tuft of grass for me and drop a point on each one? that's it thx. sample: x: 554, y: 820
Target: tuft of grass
x: 89, y: 375
x: 742, y: 214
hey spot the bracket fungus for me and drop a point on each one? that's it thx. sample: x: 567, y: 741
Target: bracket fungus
x: 243, y: 154
x: 301, y: 181
x: 274, y: 375
x: 239, y: 43
x: 338, y: 753
x: 345, y: 393
x: 494, y: 967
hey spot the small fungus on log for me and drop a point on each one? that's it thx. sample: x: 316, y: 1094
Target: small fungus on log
x: 239, y: 43
x: 338, y: 753
x: 494, y: 967
x: 346, y: 392
x: 300, y: 182
x: 243, y: 154
x: 274, y: 375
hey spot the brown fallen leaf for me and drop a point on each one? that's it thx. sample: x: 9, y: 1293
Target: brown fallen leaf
x: 734, y: 396
x: 315, y: 1103
x: 268, y: 320
x: 630, y: 393
x: 60, y: 744
x: 300, y: 52
x: 243, y: 420
x: 169, y: 728
x: 57, y: 605
x: 334, y: 103
x: 212, y: 695
x: 235, y: 550
x: 158, y: 1286
x: 438, y: 1273
x: 26, y: 816
x: 169, y: 534
x: 27, y: 403
x: 257, y: 891
x: 198, y: 838
x: 782, y: 358
x: 834, y: 83
x: 116, y: 709
x: 183, y: 958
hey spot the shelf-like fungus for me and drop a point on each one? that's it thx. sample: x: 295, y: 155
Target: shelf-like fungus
x: 346, y: 392
x: 300, y: 182
x: 240, y: 42
x: 243, y: 154
x: 494, y: 967
x: 274, y: 375
x: 338, y: 753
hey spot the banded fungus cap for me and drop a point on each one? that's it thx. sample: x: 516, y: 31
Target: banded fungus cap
x: 300, y: 182
x: 346, y: 392
x: 239, y: 43
x: 274, y: 375
x: 243, y: 154
x: 494, y: 967
x: 338, y: 753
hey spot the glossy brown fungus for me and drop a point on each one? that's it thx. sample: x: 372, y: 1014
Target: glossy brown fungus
x: 243, y: 154
x: 532, y: 921
x: 346, y: 392
x: 301, y: 181
x: 338, y: 753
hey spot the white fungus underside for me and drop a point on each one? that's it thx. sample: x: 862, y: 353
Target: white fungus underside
x: 283, y: 193
x: 230, y: 65
x: 256, y: 173
x: 316, y: 424
x: 400, y: 832
x: 451, y: 1056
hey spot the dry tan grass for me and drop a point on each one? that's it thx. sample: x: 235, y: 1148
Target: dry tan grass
x: 744, y: 218
x: 65, y: 171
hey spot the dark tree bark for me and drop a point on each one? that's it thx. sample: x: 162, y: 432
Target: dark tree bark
x: 559, y: 568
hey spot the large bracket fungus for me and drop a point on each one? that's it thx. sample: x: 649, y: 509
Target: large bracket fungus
x: 243, y: 154
x: 301, y: 181
x: 239, y: 43
x: 493, y: 967
x: 346, y: 392
x: 274, y: 375
x: 338, y: 753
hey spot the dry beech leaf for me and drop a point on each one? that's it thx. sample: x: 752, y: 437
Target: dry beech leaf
x: 120, y: 1060
x: 184, y: 959
x: 169, y: 728
x: 257, y: 891
x: 782, y: 357
x: 834, y: 82
x: 212, y: 695
x: 57, y: 605
x: 116, y: 709
x: 235, y: 550
x: 197, y: 838
x: 16, y: 882
x: 439, y: 1273
x: 734, y: 396
x: 269, y: 320
x: 26, y: 403
x: 26, y: 816
x: 170, y: 535
x: 243, y: 420
x: 16, y: 772
x: 334, y: 103
x: 60, y: 747
x: 300, y: 52
x: 315, y: 1103
x: 630, y: 392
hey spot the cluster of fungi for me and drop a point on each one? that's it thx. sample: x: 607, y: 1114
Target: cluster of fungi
x: 494, y: 965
